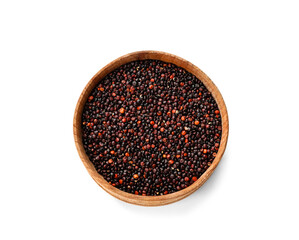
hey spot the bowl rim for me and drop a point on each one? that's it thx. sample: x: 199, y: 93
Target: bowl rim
x: 77, y: 130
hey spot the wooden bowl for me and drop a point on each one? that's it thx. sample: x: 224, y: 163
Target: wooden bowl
x: 132, y: 198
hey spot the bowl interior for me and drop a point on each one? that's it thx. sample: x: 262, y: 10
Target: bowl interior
x: 137, y: 199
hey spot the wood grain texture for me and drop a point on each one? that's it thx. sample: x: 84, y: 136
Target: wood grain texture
x: 132, y: 198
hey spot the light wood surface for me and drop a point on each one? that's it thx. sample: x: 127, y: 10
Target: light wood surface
x: 132, y: 198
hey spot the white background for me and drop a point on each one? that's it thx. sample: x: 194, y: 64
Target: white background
x: 50, y: 50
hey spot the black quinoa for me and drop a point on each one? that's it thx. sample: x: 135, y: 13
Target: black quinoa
x: 151, y: 128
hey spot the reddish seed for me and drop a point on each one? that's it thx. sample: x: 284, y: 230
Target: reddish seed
x: 152, y: 122
x: 183, y: 118
x: 120, y: 181
x: 194, y: 179
x: 155, y: 126
x: 205, y: 151
x: 123, y: 120
x: 171, y: 162
x: 110, y: 161
x: 162, y: 129
x: 127, y: 154
x: 217, y: 112
x: 139, y: 107
x: 152, y: 80
x: 112, y: 152
x: 136, y: 192
x: 151, y: 87
x: 196, y: 122
x: 186, y: 179
x: 166, y: 192
x: 90, y: 98
x: 135, y: 176
x: 122, y: 110
x: 183, y: 132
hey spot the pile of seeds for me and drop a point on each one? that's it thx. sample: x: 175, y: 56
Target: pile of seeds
x: 151, y: 128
